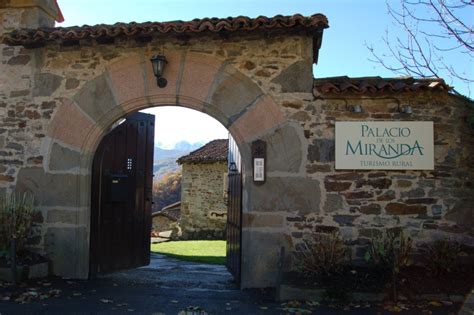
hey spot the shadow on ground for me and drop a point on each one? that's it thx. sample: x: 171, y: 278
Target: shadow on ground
x: 166, y: 286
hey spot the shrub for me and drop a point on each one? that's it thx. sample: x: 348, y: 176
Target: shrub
x: 16, y: 217
x: 441, y: 256
x: 391, y: 250
x: 323, y: 254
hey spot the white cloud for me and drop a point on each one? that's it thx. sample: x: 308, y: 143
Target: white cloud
x: 174, y: 124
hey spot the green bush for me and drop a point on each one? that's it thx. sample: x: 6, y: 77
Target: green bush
x: 16, y: 218
x: 391, y: 250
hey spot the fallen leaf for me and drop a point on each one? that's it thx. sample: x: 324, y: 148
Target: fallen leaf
x: 193, y: 310
x: 54, y: 292
x: 106, y: 301
x: 312, y: 303
x: 394, y: 308
x: 264, y: 307
x: 435, y: 303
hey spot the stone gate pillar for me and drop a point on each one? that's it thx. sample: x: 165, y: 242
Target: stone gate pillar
x: 16, y: 14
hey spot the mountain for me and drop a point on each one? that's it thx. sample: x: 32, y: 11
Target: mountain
x: 160, y: 154
x: 186, y: 146
x: 165, y: 160
x: 163, y: 167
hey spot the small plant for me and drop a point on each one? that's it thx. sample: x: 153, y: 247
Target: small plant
x: 441, y: 256
x: 378, y: 251
x: 323, y: 254
x: 16, y: 218
x: 390, y: 251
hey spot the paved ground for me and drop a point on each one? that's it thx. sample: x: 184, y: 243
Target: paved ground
x: 166, y: 286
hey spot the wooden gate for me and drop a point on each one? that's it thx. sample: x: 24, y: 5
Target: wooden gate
x: 122, y: 196
x: 234, y: 211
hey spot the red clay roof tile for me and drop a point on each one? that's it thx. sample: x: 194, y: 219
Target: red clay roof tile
x: 214, y: 151
x: 372, y: 85
x: 172, y: 211
x: 315, y: 23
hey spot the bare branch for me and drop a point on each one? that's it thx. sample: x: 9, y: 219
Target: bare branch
x: 448, y: 25
x: 435, y: 33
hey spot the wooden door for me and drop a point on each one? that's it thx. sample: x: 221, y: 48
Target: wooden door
x: 122, y: 196
x: 234, y: 211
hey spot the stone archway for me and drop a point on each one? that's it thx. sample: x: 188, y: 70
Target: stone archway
x: 196, y: 81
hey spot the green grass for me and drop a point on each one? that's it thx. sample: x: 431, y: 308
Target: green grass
x: 209, y: 252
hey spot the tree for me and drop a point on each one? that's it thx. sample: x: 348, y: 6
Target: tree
x: 434, y: 33
x: 167, y: 190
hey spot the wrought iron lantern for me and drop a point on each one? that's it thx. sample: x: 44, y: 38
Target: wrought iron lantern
x: 158, y: 62
x: 406, y: 109
x: 356, y: 109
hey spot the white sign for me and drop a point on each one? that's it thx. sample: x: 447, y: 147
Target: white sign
x: 389, y: 145
x: 258, y: 169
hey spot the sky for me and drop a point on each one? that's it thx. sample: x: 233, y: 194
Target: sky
x: 185, y: 124
x: 353, y: 26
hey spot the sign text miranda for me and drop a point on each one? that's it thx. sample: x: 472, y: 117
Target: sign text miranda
x: 384, y: 145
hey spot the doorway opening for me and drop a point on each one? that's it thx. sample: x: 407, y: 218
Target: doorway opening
x: 127, y: 209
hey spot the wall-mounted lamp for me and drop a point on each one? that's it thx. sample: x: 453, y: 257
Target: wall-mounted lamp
x: 158, y: 62
x: 355, y: 108
x: 406, y: 109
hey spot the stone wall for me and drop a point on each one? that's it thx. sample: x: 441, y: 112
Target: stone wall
x: 161, y: 223
x: 426, y: 205
x: 203, y: 201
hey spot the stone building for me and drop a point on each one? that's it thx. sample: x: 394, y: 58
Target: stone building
x: 203, y: 192
x: 167, y: 219
x: 62, y: 89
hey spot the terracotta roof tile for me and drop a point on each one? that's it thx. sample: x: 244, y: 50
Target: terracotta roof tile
x: 214, y: 151
x: 372, y: 85
x: 172, y: 211
x: 314, y: 23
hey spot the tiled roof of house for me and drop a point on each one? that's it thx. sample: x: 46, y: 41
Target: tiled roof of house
x: 172, y: 211
x: 372, y: 85
x: 214, y: 151
x: 315, y: 23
